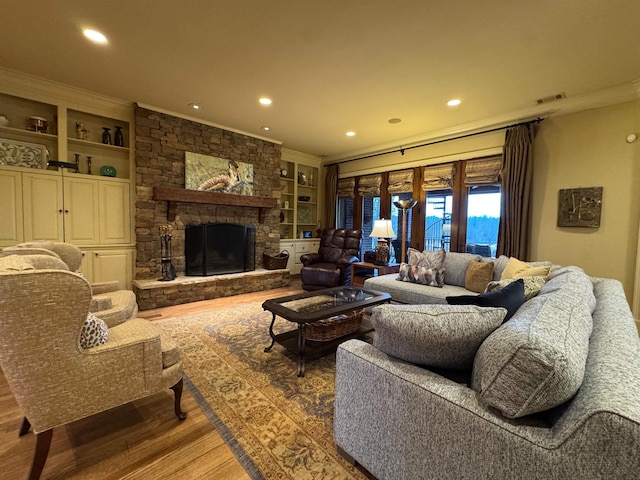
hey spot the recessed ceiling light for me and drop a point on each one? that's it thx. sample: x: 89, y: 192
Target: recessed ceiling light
x: 453, y: 103
x: 195, y: 106
x: 265, y: 128
x: 265, y: 101
x: 94, y: 36
x: 350, y: 134
x: 395, y: 120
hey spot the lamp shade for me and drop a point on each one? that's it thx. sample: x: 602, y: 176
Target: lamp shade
x: 382, y: 229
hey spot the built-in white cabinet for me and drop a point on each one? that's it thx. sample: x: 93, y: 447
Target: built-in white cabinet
x: 65, y: 207
x: 106, y: 265
x: 11, y: 219
x: 297, y: 248
x: 62, y: 177
x: 300, y: 195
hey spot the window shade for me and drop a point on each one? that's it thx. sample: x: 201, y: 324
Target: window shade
x: 438, y: 177
x: 484, y: 171
x: 369, y: 185
x: 346, y: 187
x: 400, y: 181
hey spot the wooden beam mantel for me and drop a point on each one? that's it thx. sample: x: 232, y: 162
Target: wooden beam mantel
x: 175, y: 195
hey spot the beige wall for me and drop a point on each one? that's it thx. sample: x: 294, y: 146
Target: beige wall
x: 583, y: 149
x: 588, y: 149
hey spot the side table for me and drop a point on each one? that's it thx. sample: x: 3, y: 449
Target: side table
x: 358, y: 280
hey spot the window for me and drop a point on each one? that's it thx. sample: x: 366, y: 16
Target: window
x: 370, y: 213
x: 344, y: 217
x: 437, y: 232
x: 483, y: 219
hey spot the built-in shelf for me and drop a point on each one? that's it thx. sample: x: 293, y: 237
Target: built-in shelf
x: 175, y: 195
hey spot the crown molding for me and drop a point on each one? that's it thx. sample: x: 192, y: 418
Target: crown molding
x: 205, y: 122
x: 300, y: 157
x: 600, y: 98
x: 47, y: 91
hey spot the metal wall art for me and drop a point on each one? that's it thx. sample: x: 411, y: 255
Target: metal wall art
x: 579, y: 207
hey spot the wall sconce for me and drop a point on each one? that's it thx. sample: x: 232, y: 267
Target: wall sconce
x: 383, y: 231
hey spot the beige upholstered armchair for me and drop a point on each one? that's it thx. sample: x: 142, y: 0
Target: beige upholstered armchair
x: 54, y: 379
x: 111, y: 303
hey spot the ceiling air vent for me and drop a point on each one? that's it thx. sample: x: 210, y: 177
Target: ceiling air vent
x: 551, y: 98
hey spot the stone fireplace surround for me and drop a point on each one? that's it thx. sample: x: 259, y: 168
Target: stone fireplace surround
x: 161, y: 141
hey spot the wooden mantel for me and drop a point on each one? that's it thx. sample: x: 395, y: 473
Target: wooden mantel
x: 175, y: 195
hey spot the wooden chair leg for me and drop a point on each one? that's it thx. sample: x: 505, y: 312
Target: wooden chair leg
x: 25, y: 427
x: 43, y: 443
x: 177, y: 391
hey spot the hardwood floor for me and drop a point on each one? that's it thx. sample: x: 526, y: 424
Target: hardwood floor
x: 141, y: 440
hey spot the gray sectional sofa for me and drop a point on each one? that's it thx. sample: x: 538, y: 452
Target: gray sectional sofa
x: 554, y: 392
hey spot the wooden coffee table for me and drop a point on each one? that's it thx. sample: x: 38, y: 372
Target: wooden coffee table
x: 309, y: 307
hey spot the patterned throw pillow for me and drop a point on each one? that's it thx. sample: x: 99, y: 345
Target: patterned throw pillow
x: 425, y: 276
x: 428, y: 259
x: 532, y: 285
x: 478, y: 276
x: 94, y: 332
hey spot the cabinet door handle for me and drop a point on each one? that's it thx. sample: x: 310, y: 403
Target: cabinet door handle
x: 66, y: 211
x: 60, y: 211
x: 96, y: 254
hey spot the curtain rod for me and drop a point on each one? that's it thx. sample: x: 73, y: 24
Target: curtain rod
x: 403, y: 149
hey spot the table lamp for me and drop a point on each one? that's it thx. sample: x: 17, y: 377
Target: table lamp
x: 404, y: 205
x: 383, y: 230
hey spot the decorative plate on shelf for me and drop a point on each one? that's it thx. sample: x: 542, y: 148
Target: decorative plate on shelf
x: 23, y: 154
x: 107, y: 171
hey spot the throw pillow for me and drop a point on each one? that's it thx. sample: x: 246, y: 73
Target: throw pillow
x: 425, y: 276
x: 94, y: 332
x: 428, y: 259
x: 478, y: 276
x: 510, y: 297
x: 15, y: 263
x: 532, y: 285
x: 440, y: 336
x: 517, y: 268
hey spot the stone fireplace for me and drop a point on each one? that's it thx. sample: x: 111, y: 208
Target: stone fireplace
x: 161, y: 141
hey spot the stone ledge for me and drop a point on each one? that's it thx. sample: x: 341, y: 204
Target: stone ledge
x: 153, y: 293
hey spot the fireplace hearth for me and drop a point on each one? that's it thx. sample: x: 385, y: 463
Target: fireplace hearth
x: 219, y: 248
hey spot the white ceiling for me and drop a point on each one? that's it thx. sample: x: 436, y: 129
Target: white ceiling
x: 331, y: 65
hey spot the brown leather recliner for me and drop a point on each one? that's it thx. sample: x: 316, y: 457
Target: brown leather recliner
x: 331, y: 266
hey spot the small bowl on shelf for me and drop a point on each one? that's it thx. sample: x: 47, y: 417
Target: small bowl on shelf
x: 304, y: 198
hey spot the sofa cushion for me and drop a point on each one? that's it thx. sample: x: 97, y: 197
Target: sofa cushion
x: 431, y: 277
x: 479, y: 274
x: 532, y: 285
x: 517, y: 268
x: 510, y: 297
x: 94, y: 332
x: 428, y: 259
x: 434, y: 335
x: 412, y: 293
x: 455, y: 267
x: 536, y: 360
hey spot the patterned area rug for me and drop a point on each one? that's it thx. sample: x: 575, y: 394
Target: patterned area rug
x: 282, y: 423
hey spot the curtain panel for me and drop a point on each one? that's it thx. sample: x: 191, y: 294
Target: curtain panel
x: 331, y: 187
x: 438, y: 177
x: 484, y: 171
x: 400, y: 181
x: 346, y: 187
x: 369, y: 185
x: 514, y: 233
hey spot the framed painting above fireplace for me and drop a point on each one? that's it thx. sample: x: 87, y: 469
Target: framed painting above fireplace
x: 215, y: 174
